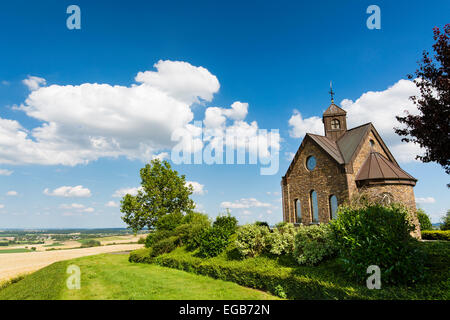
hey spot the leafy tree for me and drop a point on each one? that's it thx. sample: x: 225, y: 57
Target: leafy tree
x: 446, y: 221
x: 431, y: 126
x: 424, y: 220
x: 163, y: 191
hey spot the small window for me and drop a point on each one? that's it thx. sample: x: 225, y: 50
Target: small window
x: 372, y: 143
x: 311, y: 163
x: 333, y: 207
x: 386, y: 198
x: 335, y: 124
x: 314, y: 207
x: 298, y: 211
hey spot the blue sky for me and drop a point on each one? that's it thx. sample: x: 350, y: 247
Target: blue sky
x: 276, y: 56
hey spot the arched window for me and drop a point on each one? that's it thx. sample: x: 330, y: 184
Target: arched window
x: 335, y: 124
x: 372, y: 143
x: 298, y: 211
x: 333, y: 206
x: 314, y: 206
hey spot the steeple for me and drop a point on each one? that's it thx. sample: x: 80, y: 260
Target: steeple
x: 334, y: 119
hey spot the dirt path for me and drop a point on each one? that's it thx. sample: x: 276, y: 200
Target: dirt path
x: 13, y: 264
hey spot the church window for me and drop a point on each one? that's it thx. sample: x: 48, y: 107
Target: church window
x: 333, y: 207
x: 372, y: 143
x: 298, y: 211
x: 314, y: 206
x: 311, y: 163
x: 335, y: 124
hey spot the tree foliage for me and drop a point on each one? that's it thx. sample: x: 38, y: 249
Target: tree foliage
x: 162, y: 191
x: 446, y: 221
x: 424, y: 220
x: 430, y: 128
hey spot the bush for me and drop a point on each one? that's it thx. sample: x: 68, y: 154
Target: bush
x: 424, y: 220
x: 227, y: 223
x: 281, y: 240
x: 191, y: 231
x: 313, y: 244
x: 169, y: 221
x: 378, y: 235
x: 164, y: 246
x: 251, y: 240
x: 262, y: 224
x: 142, y: 240
x: 213, y: 242
x: 436, y: 235
x: 156, y: 236
x: 90, y: 243
x: 143, y: 255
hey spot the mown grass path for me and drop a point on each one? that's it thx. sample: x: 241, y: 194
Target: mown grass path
x: 111, y: 276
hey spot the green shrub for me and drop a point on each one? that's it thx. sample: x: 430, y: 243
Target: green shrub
x: 262, y: 224
x: 313, y: 244
x: 227, y: 223
x: 378, y: 235
x: 90, y: 243
x: 213, y: 242
x: 169, y: 221
x: 141, y: 240
x: 251, y: 240
x: 281, y: 240
x: 424, y: 220
x: 164, y: 246
x: 144, y: 255
x: 191, y: 230
x: 436, y: 235
x: 156, y: 236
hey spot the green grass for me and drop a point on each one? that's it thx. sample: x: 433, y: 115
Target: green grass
x: 55, y: 244
x: 325, y: 281
x: 111, y: 276
x: 18, y: 250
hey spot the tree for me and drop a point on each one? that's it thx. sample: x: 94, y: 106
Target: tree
x: 446, y: 221
x: 430, y: 128
x: 424, y: 220
x: 162, y: 191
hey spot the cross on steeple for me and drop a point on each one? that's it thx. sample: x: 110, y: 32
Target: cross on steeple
x: 331, y: 92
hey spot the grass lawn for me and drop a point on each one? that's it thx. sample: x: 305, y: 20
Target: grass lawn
x: 111, y: 276
x: 18, y: 250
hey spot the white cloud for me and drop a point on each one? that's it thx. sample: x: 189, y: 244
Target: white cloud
x: 120, y: 193
x: 34, y: 83
x: 4, y: 172
x: 112, y: 204
x: 67, y: 191
x: 88, y: 210
x: 302, y: 126
x: 72, y: 206
x: 198, y: 187
x: 2, y: 206
x: 378, y: 107
x: 244, y: 203
x: 12, y: 193
x: 425, y: 200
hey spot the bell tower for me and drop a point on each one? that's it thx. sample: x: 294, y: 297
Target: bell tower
x: 334, y: 119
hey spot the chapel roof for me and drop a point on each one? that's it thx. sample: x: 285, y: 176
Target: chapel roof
x: 377, y: 167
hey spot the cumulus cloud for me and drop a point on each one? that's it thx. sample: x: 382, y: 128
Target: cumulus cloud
x: 12, y: 193
x: 425, y: 200
x: 77, y: 207
x: 198, y: 187
x: 82, y: 123
x: 120, y: 193
x: 244, y: 203
x: 378, y: 107
x: 34, y: 83
x: 67, y: 191
x: 112, y: 204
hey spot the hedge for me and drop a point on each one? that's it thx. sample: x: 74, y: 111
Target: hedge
x: 436, y: 235
x: 269, y: 278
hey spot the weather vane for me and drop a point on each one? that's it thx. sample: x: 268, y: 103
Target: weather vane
x: 331, y: 92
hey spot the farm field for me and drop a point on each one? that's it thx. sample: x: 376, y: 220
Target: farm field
x: 14, y: 264
x: 111, y: 276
